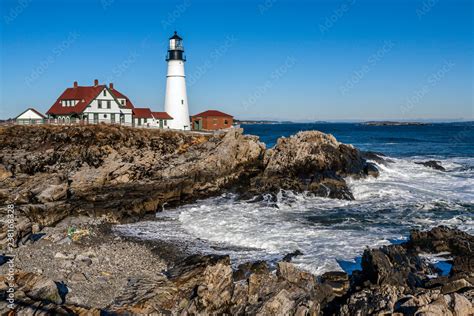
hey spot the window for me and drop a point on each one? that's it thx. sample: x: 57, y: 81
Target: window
x: 105, y: 93
x: 99, y: 104
x: 144, y: 120
x: 182, y: 101
x: 226, y: 122
x: 105, y: 115
x: 139, y: 121
x: 96, y: 118
x: 112, y: 118
x: 108, y: 104
x: 166, y: 122
x: 122, y: 101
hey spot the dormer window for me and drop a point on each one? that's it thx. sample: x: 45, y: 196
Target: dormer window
x: 122, y: 101
x: 105, y: 92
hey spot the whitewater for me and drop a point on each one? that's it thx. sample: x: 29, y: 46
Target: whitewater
x: 331, y: 234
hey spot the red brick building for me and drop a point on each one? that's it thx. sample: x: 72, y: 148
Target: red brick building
x: 211, y: 120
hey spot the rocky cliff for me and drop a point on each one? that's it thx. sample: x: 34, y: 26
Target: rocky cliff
x: 50, y: 172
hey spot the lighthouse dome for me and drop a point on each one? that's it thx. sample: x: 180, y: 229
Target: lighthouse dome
x: 176, y: 36
x: 176, y: 48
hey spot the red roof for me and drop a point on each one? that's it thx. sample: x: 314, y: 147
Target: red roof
x: 142, y: 113
x: 212, y: 113
x: 161, y: 116
x: 119, y: 95
x: 85, y: 95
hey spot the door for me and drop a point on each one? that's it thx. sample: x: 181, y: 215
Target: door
x: 96, y: 118
x: 112, y: 118
x: 161, y: 123
x: 197, y: 125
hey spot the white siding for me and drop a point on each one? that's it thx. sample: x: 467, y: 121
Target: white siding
x: 29, y: 115
x: 109, y: 107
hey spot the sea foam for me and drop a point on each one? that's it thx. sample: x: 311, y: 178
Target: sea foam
x: 332, y: 234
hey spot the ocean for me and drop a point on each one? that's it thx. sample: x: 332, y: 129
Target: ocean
x: 332, y: 234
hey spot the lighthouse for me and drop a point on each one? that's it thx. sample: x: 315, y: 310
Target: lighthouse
x: 176, y: 100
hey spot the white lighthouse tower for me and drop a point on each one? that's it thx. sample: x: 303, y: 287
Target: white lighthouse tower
x: 176, y: 100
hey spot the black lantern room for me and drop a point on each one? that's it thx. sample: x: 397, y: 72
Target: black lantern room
x: 176, y: 49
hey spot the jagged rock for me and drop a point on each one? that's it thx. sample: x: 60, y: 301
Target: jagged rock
x: 394, y: 265
x: 394, y: 279
x: 52, y: 193
x: 279, y: 304
x: 461, y: 305
x: 4, y: 173
x: 442, y: 239
x: 245, y: 269
x: 290, y: 273
x: 432, y: 164
x: 338, y: 281
x: 377, y: 157
x: 311, y: 161
x: 372, y: 301
x: 38, y: 287
x: 371, y: 169
x: 289, y: 256
x: 455, y: 286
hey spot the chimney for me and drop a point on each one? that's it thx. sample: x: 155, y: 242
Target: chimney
x: 96, y: 82
x: 111, y: 86
x: 75, y: 84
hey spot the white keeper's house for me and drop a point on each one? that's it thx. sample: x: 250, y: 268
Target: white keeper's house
x: 102, y: 104
x: 30, y: 117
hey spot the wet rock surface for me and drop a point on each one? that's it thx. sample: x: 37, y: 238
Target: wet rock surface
x: 432, y: 164
x: 395, y: 279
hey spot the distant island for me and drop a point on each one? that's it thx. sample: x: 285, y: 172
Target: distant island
x: 390, y: 123
x: 244, y: 122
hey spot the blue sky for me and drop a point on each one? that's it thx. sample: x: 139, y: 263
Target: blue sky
x: 263, y: 59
